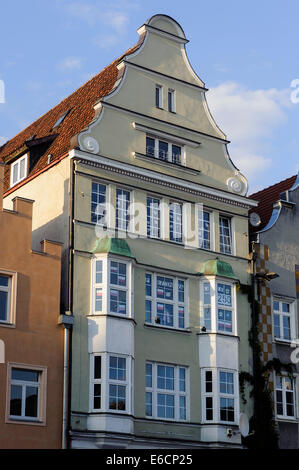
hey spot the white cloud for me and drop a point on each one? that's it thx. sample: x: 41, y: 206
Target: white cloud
x: 249, y: 118
x: 70, y: 63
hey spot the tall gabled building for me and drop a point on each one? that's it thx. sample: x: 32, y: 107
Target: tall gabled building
x: 274, y: 231
x: 134, y: 176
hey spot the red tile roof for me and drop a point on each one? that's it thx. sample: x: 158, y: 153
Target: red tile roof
x: 267, y: 197
x: 81, y: 106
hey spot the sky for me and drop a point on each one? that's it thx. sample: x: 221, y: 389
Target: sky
x: 245, y: 52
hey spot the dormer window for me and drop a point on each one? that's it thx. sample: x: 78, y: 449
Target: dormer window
x: 163, y: 150
x: 18, y: 170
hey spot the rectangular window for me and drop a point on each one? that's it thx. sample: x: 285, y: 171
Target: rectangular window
x: 285, y: 397
x: 175, y: 222
x: 97, y: 383
x: 163, y: 150
x: 117, y: 383
x: 225, y: 235
x: 122, y: 209
x: 153, y: 217
x: 224, y: 308
x: 207, y: 306
x: 25, y: 394
x: 166, y: 391
x: 282, y: 319
x: 18, y: 170
x: 171, y: 100
x: 5, y: 294
x: 204, y: 230
x: 159, y: 96
x: 118, y: 287
x: 98, y: 203
x: 165, y: 302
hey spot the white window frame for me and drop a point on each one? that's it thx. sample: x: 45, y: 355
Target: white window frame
x: 11, y: 290
x: 214, y: 281
x: 105, y: 382
x: 172, y: 102
x: 169, y: 151
x: 283, y: 390
x: 216, y: 395
x: 17, y: 164
x: 42, y: 394
x: 172, y: 205
x: 291, y: 303
x: 150, y: 232
x: 128, y: 214
x: 106, y: 286
x: 211, y: 231
x: 154, y: 390
x: 175, y: 302
x: 104, y: 218
x: 159, y: 105
x: 231, y: 235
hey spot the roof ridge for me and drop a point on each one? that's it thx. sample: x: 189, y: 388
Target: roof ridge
x: 272, y: 186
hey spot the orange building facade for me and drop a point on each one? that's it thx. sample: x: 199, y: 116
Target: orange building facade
x: 31, y: 340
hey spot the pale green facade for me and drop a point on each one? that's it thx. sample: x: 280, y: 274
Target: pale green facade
x: 113, y: 154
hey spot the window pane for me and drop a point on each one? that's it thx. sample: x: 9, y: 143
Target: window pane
x: 182, y: 407
x: 15, y: 173
x: 204, y: 230
x: 209, y: 408
x: 224, y: 295
x: 97, y: 396
x: 158, y: 97
x: 165, y: 406
x: 148, y: 375
x: 176, y: 154
x: 148, y: 285
x: 181, y: 291
x: 4, y: 281
x: 99, y: 270
x: 15, y: 400
x: 164, y: 314
x: 181, y: 314
x: 117, y: 397
x: 209, y: 381
x: 149, y: 404
x: 175, y: 222
x: 164, y: 288
x: 3, y: 305
x: 122, y: 209
x: 207, y: 318
x: 286, y: 327
x: 31, y: 402
x: 165, y: 377
x: 153, y: 217
x: 226, y: 409
x: 163, y: 150
x: 224, y: 320
x: 276, y: 326
x: 98, y: 206
x: 22, y: 168
x: 170, y: 100
x: 97, y: 367
x: 99, y: 300
x: 117, y: 368
x: 148, y: 311
x: 182, y: 380
x: 225, y: 235
x: 150, y: 147
x: 285, y: 307
x: 276, y: 306
x: 118, y: 274
x: 25, y: 375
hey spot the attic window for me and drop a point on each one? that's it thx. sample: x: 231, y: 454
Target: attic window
x: 18, y: 170
x: 61, y: 118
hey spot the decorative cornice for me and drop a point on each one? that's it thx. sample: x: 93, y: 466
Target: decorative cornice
x: 160, y: 179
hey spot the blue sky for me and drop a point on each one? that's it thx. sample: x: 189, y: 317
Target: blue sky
x: 247, y: 55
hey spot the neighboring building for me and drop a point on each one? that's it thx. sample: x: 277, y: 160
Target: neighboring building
x: 31, y: 368
x: 133, y: 176
x: 275, y: 232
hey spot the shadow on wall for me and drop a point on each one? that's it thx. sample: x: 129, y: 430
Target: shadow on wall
x: 57, y: 229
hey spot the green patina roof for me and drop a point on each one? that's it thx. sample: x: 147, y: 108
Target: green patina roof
x: 216, y: 267
x: 115, y: 246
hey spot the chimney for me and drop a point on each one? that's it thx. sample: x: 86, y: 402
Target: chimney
x: 2, y: 166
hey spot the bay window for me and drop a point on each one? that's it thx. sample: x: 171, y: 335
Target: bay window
x: 220, y: 396
x: 165, y: 301
x: 110, y: 378
x: 166, y: 392
x: 218, y: 306
x: 111, y: 286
